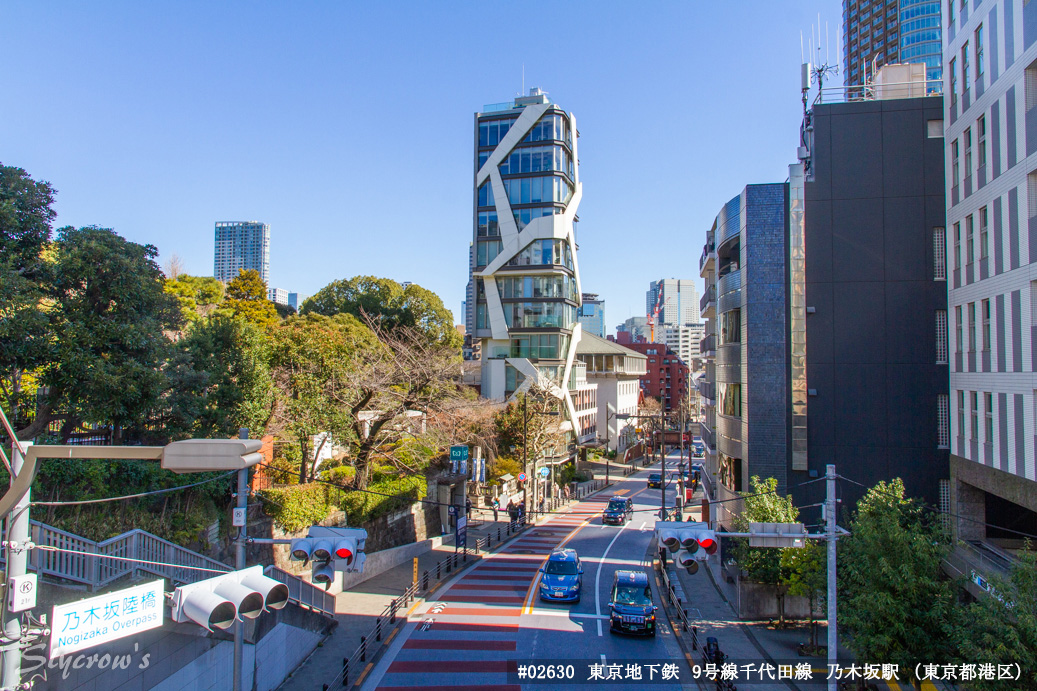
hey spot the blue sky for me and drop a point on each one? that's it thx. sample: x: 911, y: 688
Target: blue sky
x: 348, y: 126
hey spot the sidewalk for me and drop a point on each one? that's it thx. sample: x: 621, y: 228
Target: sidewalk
x: 360, y: 607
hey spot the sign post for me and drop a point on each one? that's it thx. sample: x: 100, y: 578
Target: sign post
x: 461, y: 539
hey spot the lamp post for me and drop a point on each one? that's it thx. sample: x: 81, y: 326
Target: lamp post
x: 662, y: 453
x: 609, y: 415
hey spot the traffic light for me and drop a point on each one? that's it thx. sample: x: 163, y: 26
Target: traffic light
x: 692, y: 542
x: 331, y: 550
x: 218, y: 602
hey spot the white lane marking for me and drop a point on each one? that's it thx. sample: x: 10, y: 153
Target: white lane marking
x: 643, y: 525
x: 543, y: 612
x: 597, y: 575
x: 603, y: 658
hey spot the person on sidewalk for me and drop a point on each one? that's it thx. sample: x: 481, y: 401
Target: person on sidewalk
x: 567, y: 492
x: 541, y: 505
x: 496, y: 508
x: 513, y: 511
x: 522, y: 511
x: 468, y: 508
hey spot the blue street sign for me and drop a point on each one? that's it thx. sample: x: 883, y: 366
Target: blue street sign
x: 462, y: 532
x: 458, y: 453
x: 544, y: 472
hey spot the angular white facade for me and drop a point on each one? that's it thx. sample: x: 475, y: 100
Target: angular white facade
x: 527, y: 283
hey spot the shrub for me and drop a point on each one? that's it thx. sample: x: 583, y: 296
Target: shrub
x: 297, y: 506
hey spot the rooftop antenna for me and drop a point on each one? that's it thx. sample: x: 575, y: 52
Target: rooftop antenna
x: 819, y: 71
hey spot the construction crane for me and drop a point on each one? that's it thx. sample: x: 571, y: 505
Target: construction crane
x: 655, y: 314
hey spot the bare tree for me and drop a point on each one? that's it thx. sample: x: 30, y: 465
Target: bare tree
x: 174, y: 267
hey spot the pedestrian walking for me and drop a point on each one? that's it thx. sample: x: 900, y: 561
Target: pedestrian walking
x: 567, y: 492
x: 541, y: 505
x: 513, y: 511
x: 522, y: 511
x: 496, y: 507
x: 468, y: 508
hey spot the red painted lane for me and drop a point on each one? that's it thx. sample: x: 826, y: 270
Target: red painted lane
x: 458, y: 644
x: 470, y: 628
x: 487, y: 599
x: 518, y: 587
x: 508, y: 569
x: 452, y: 666
x: 461, y: 610
x: 480, y: 687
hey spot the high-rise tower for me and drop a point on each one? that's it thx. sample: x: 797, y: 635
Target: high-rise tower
x: 884, y: 32
x: 242, y: 245
x: 527, y: 286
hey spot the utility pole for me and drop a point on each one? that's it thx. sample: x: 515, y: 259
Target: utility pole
x: 608, y: 417
x: 17, y: 565
x: 662, y: 459
x: 525, y: 456
x: 830, y: 524
x: 239, y: 561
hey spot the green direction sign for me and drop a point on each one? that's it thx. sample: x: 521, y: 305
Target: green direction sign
x: 458, y: 453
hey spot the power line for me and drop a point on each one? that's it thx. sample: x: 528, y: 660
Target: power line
x: 132, y: 496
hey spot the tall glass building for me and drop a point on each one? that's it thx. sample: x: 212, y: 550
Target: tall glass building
x: 242, y: 245
x: 884, y: 32
x: 526, y: 281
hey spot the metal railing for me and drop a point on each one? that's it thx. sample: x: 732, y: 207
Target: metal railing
x: 302, y: 592
x: 81, y: 560
x: 678, y: 606
x: 708, y: 296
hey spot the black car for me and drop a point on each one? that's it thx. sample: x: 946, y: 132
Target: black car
x: 619, y: 511
x: 655, y: 480
x: 631, y: 605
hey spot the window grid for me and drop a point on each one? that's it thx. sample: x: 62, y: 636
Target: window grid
x: 974, y: 416
x: 967, y: 138
x: 957, y: 245
x: 939, y: 254
x: 943, y: 422
x: 957, y: 328
x: 941, y: 337
x: 988, y: 400
x: 970, y: 252
x: 972, y: 327
x: 981, y: 136
x: 955, y: 171
x: 961, y: 413
x: 978, y: 43
x: 984, y: 238
x: 985, y: 310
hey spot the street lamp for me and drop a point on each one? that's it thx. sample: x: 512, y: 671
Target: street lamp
x: 662, y: 454
x: 609, y: 415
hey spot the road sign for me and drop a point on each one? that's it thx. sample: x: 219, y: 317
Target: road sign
x: 458, y: 453
x: 778, y: 535
x: 544, y: 472
x: 462, y: 532
x: 522, y: 477
x: 238, y: 518
x: 96, y: 620
x: 21, y: 592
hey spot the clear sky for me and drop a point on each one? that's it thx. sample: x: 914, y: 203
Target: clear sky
x: 347, y: 126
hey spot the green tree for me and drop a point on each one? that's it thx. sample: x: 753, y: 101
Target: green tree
x: 762, y: 504
x: 108, y: 320
x: 26, y: 215
x: 542, y: 436
x: 247, y: 298
x: 805, y: 571
x: 311, y: 357
x: 199, y: 296
x: 893, y: 599
x: 390, y: 304
x: 221, y: 380
x: 1002, y: 627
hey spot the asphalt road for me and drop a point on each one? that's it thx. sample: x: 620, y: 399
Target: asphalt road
x: 487, y: 622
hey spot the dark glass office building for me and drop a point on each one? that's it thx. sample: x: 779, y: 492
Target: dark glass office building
x: 885, y: 32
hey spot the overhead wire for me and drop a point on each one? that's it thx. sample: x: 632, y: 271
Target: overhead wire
x: 133, y: 496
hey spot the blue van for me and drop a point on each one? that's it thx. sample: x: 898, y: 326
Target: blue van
x: 631, y: 604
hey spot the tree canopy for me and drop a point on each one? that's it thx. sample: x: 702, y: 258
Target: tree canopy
x: 390, y: 304
x: 247, y: 298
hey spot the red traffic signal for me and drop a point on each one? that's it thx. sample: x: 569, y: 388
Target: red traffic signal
x: 345, y: 549
x: 707, y: 540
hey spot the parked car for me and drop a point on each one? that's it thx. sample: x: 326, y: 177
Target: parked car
x: 561, y: 578
x: 655, y: 480
x: 618, y: 511
x: 632, y: 609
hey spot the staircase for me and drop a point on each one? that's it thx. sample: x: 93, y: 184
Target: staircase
x: 137, y: 552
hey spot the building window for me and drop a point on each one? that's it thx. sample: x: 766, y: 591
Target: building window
x: 950, y: 12
x: 955, y: 170
x: 985, y: 311
x: 961, y: 413
x: 964, y: 67
x: 943, y: 422
x: 967, y: 136
x: 981, y: 133
x: 1033, y: 303
x: 969, y: 251
x: 978, y: 42
x: 974, y: 416
x: 941, y: 337
x: 953, y: 68
x: 989, y: 410
x: 957, y: 329
x: 957, y: 245
x: 984, y: 236
x: 939, y: 254
x: 934, y: 129
x: 972, y: 327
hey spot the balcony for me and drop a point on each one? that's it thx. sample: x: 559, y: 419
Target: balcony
x: 708, y: 259
x: 708, y: 346
x: 707, y: 305
x: 708, y: 390
x: 708, y: 437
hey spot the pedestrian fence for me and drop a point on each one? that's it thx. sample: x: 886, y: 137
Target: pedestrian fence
x: 430, y: 578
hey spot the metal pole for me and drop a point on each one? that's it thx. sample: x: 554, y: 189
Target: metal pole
x: 607, y: 464
x: 239, y: 564
x: 17, y: 565
x: 662, y: 459
x: 833, y: 637
x: 525, y: 456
